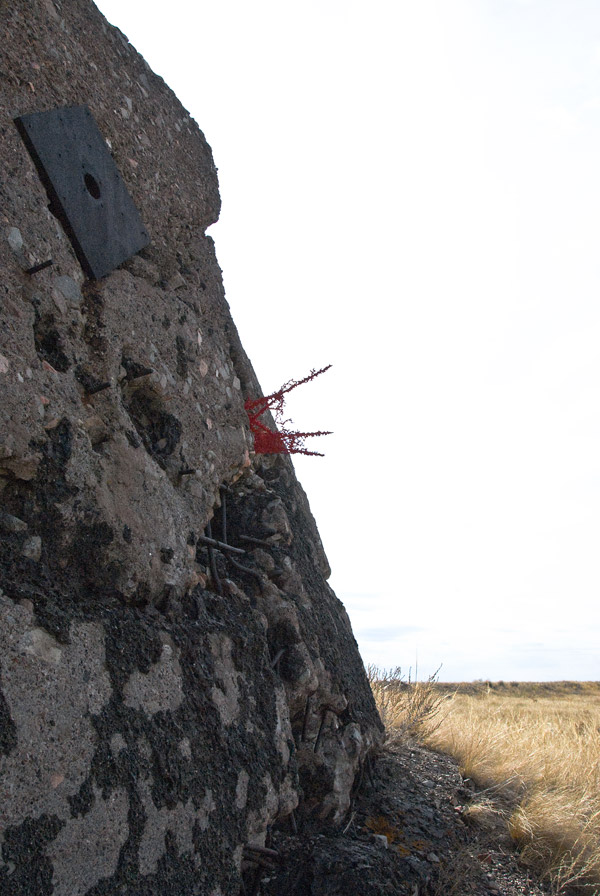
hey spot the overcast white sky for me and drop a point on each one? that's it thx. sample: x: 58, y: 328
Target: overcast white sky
x: 411, y: 192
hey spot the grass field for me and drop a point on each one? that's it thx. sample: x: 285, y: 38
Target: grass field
x: 533, y: 753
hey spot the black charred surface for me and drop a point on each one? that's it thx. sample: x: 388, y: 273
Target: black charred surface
x: 8, y: 731
x: 27, y: 869
x: 159, y: 430
x: 49, y: 343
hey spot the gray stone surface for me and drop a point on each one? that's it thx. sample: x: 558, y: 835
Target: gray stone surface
x: 15, y: 240
x: 160, y: 709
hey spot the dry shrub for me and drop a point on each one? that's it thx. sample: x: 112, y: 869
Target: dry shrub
x: 407, y: 708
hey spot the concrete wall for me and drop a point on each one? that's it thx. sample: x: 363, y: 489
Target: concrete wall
x: 155, y: 719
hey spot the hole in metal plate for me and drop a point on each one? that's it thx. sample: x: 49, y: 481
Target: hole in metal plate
x: 93, y: 187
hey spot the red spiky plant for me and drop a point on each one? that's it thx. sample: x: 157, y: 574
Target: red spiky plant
x: 281, y: 440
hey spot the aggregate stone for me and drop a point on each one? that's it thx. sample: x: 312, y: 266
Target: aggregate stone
x: 69, y: 289
x: 17, y: 245
x: 12, y: 523
x: 15, y: 240
x: 32, y: 548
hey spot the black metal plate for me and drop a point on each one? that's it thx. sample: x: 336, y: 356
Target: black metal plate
x: 84, y: 186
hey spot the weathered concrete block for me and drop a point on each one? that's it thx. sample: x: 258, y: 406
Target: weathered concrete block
x: 161, y: 707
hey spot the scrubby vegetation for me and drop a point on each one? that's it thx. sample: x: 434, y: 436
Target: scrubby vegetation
x: 531, y: 750
x: 407, y: 708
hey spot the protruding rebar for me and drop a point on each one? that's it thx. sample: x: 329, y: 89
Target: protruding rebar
x: 211, y: 558
x: 277, y: 657
x: 219, y: 545
x: 305, y: 720
x: 39, y: 267
x: 223, y: 514
x: 320, y: 732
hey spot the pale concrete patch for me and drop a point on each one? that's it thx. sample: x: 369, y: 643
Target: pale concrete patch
x: 160, y: 689
x: 241, y: 789
x: 259, y: 819
x: 283, y: 728
x: 39, y: 643
x: 87, y: 849
x: 179, y: 820
x: 117, y: 743
x: 51, y: 690
x: 185, y: 748
x: 208, y: 806
x: 226, y: 698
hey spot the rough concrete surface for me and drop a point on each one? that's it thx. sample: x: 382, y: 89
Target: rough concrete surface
x: 163, y: 706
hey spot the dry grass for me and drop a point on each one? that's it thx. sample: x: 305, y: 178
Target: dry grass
x: 535, y: 752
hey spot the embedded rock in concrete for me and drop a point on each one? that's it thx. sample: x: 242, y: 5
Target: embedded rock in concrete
x: 164, y: 704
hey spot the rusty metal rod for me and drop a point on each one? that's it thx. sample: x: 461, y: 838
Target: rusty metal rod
x: 261, y: 850
x: 40, y: 267
x: 256, y: 882
x: 211, y: 559
x: 261, y: 862
x: 320, y: 732
x: 349, y: 823
x: 219, y: 545
x: 248, y: 571
x: 369, y: 770
x: 223, y: 514
x: 305, y: 721
x: 358, y: 779
x: 277, y: 657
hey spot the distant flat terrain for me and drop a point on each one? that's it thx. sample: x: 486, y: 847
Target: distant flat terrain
x: 521, y: 688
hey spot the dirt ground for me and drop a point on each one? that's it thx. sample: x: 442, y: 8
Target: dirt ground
x: 408, y: 835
